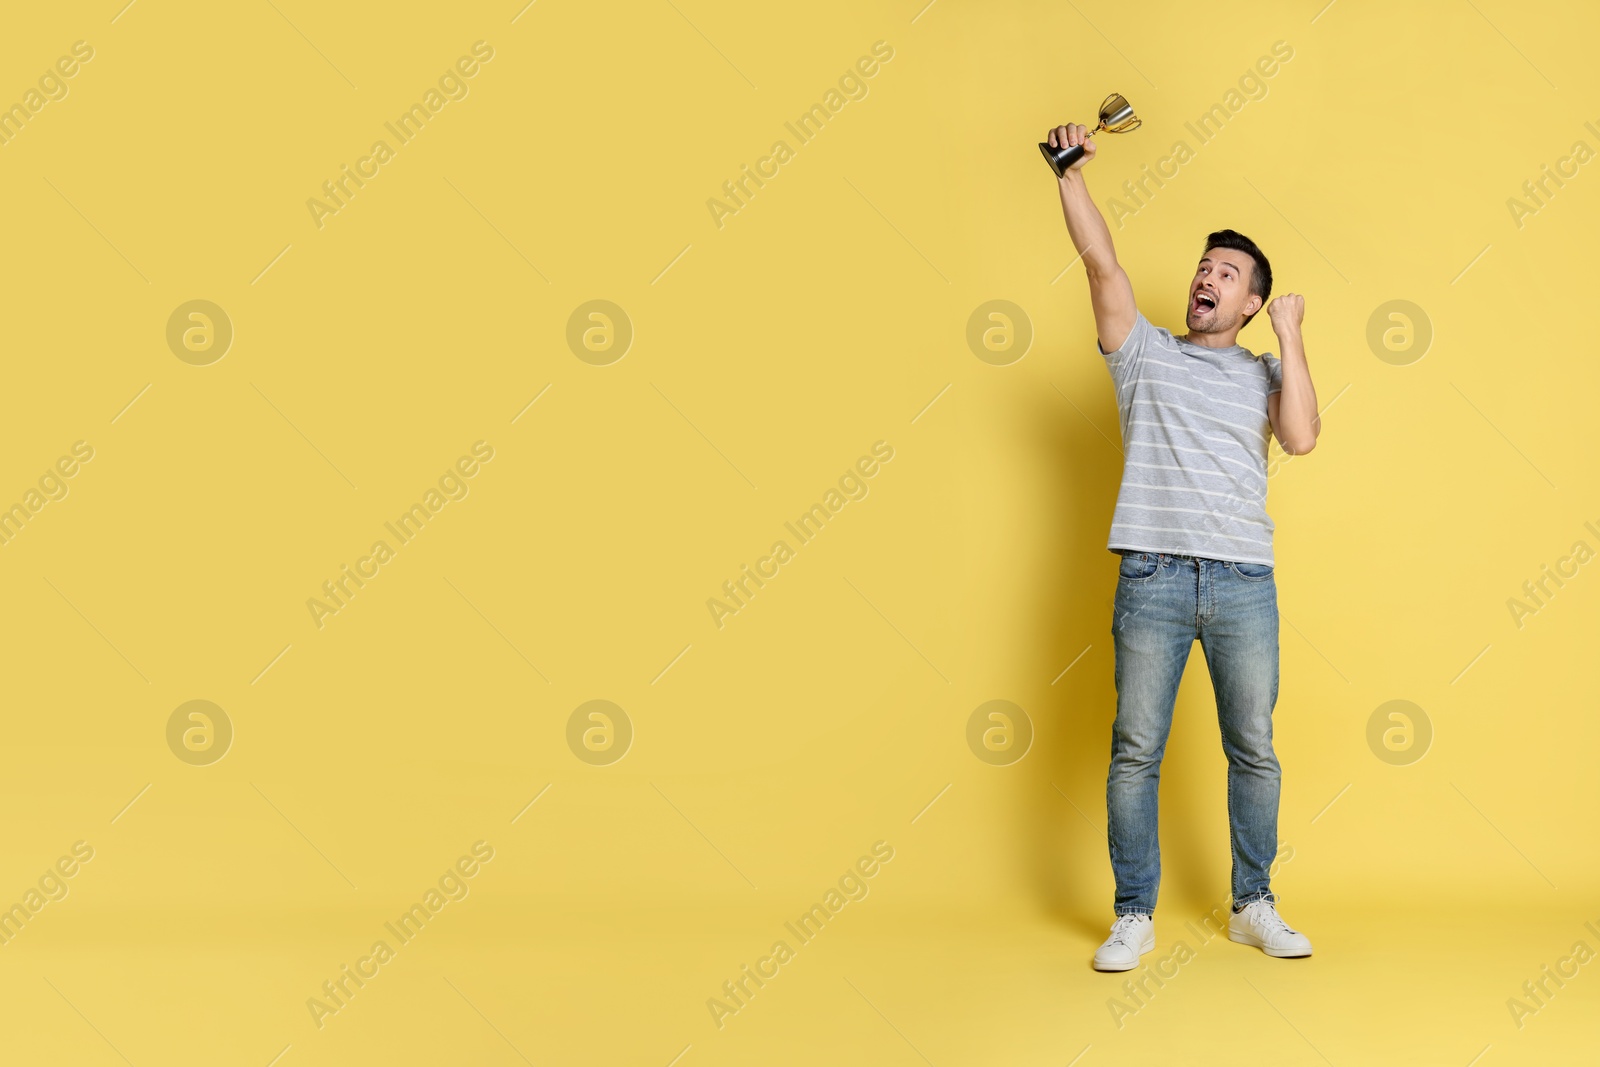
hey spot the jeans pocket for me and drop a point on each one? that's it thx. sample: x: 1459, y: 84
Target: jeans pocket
x: 1253, y: 572
x: 1139, y: 567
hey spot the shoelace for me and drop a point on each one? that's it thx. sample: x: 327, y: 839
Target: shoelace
x: 1122, y: 929
x: 1268, y: 916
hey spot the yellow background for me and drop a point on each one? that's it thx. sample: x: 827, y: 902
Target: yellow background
x: 768, y: 354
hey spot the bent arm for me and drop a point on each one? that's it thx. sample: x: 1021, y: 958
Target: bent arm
x: 1295, y: 421
x: 1293, y: 411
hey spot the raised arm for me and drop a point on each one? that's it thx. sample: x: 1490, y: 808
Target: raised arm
x: 1110, y: 291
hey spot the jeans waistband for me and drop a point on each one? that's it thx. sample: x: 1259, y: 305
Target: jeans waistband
x: 1168, y: 555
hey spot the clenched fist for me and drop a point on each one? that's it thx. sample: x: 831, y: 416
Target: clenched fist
x: 1069, y: 135
x: 1287, y: 312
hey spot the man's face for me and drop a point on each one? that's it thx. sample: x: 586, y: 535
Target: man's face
x: 1219, y: 295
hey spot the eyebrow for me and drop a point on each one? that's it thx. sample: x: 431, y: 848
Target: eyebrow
x: 1220, y: 262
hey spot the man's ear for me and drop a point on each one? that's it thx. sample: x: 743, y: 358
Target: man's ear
x: 1252, y: 305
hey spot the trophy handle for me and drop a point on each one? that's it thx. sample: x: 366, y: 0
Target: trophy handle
x: 1060, y: 159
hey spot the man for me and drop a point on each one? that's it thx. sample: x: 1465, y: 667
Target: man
x: 1196, y: 546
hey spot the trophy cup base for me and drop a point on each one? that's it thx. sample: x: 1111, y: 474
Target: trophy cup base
x: 1049, y: 157
x: 1060, y: 159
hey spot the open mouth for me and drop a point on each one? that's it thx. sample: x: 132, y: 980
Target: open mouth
x: 1203, y: 303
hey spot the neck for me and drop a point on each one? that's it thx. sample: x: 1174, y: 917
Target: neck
x: 1213, y: 340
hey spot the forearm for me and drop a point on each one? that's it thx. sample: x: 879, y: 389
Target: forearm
x: 1298, y: 420
x: 1086, y: 226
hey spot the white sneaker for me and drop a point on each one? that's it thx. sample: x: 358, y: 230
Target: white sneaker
x: 1259, y: 924
x: 1132, y: 936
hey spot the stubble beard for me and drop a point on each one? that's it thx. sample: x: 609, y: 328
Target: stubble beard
x: 1213, y: 323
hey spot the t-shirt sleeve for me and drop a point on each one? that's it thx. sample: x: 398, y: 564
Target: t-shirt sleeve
x: 1124, y: 362
x: 1274, y: 374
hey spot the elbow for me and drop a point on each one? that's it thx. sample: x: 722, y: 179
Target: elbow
x: 1100, y: 266
x: 1301, y: 439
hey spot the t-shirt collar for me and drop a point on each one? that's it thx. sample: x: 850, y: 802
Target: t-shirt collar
x: 1230, y: 351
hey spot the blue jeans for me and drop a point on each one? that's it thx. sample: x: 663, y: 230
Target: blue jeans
x: 1163, y: 603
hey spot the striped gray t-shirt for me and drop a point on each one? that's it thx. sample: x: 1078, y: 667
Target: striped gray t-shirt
x: 1195, y: 434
